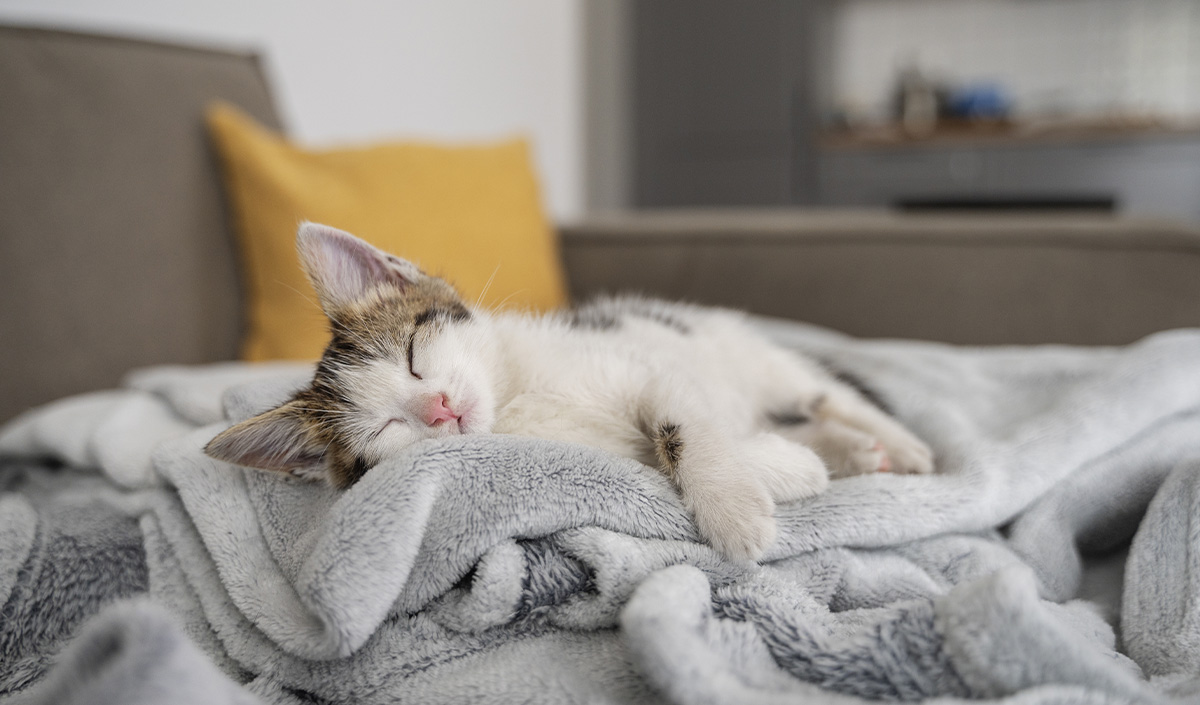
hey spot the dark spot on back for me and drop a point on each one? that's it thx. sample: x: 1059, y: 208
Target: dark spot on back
x: 592, y: 319
x: 665, y: 319
x: 655, y: 311
x: 607, y: 314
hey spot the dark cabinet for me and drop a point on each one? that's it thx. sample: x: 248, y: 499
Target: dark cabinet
x: 722, y: 96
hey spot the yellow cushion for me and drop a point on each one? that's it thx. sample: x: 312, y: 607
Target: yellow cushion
x: 470, y: 214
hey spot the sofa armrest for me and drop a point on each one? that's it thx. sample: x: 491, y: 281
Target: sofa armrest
x: 994, y: 279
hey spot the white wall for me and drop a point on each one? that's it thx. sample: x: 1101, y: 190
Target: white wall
x: 360, y: 70
x: 1075, y: 56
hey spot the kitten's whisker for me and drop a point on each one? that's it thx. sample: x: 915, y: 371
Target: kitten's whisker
x: 486, y: 286
x: 506, y: 298
x: 325, y: 451
x: 306, y: 296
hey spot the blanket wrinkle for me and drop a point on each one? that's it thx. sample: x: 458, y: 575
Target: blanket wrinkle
x: 991, y: 627
x: 371, y: 549
x: 505, y: 569
x: 897, y: 658
x: 1098, y: 508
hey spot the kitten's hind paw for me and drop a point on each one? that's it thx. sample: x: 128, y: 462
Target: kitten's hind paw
x: 910, y: 456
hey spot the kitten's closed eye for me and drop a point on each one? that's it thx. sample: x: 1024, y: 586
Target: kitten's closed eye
x: 388, y: 424
x: 412, y: 346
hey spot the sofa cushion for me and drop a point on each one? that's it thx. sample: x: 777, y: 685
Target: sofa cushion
x: 470, y: 214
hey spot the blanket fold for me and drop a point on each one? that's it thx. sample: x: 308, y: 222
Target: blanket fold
x: 505, y: 569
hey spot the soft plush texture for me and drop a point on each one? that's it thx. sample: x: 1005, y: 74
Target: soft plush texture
x: 500, y: 569
x: 471, y: 214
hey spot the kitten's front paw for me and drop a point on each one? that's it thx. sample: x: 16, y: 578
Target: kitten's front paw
x: 910, y: 456
x: 737, y: 520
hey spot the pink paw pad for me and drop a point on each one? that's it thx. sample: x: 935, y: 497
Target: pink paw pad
x: 885, y: 463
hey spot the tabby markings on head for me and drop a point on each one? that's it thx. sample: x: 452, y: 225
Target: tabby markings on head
x: 357, y: 341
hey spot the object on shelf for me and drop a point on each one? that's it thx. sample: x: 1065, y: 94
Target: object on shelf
x: 917, y: 101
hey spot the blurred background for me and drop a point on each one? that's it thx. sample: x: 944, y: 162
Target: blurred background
x: 908, y: 104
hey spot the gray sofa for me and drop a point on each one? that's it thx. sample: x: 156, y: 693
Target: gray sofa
x: 116, y: 253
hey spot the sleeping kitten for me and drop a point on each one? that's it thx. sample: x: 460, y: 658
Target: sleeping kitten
x: 734, y: 421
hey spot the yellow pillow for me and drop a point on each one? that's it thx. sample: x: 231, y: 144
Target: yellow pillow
x: 470, y: 214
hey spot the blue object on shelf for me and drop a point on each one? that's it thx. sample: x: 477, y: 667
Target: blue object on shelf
x: 980, y: 100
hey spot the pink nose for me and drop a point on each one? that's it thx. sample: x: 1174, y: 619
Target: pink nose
x: 437, y: 411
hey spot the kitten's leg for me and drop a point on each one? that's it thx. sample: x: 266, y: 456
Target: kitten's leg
x: 728, y: 483
x: 794, y: 385
x: 791, y: 389
x: 732, y: 507
x: 907, y: 453
x: 846, y: 451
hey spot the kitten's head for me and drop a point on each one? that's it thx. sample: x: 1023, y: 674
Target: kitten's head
x: 408, y: 361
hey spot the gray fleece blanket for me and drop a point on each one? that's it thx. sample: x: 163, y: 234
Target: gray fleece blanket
x: 1054, y: 559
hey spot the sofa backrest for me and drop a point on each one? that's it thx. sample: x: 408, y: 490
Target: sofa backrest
x: 115, y: 248
x: 969, y: 279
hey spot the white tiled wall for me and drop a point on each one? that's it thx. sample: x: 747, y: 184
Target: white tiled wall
x: 1053, y: 56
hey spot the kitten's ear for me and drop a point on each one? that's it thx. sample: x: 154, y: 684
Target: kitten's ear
x: 344, y: 269
x: 276, y: 440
